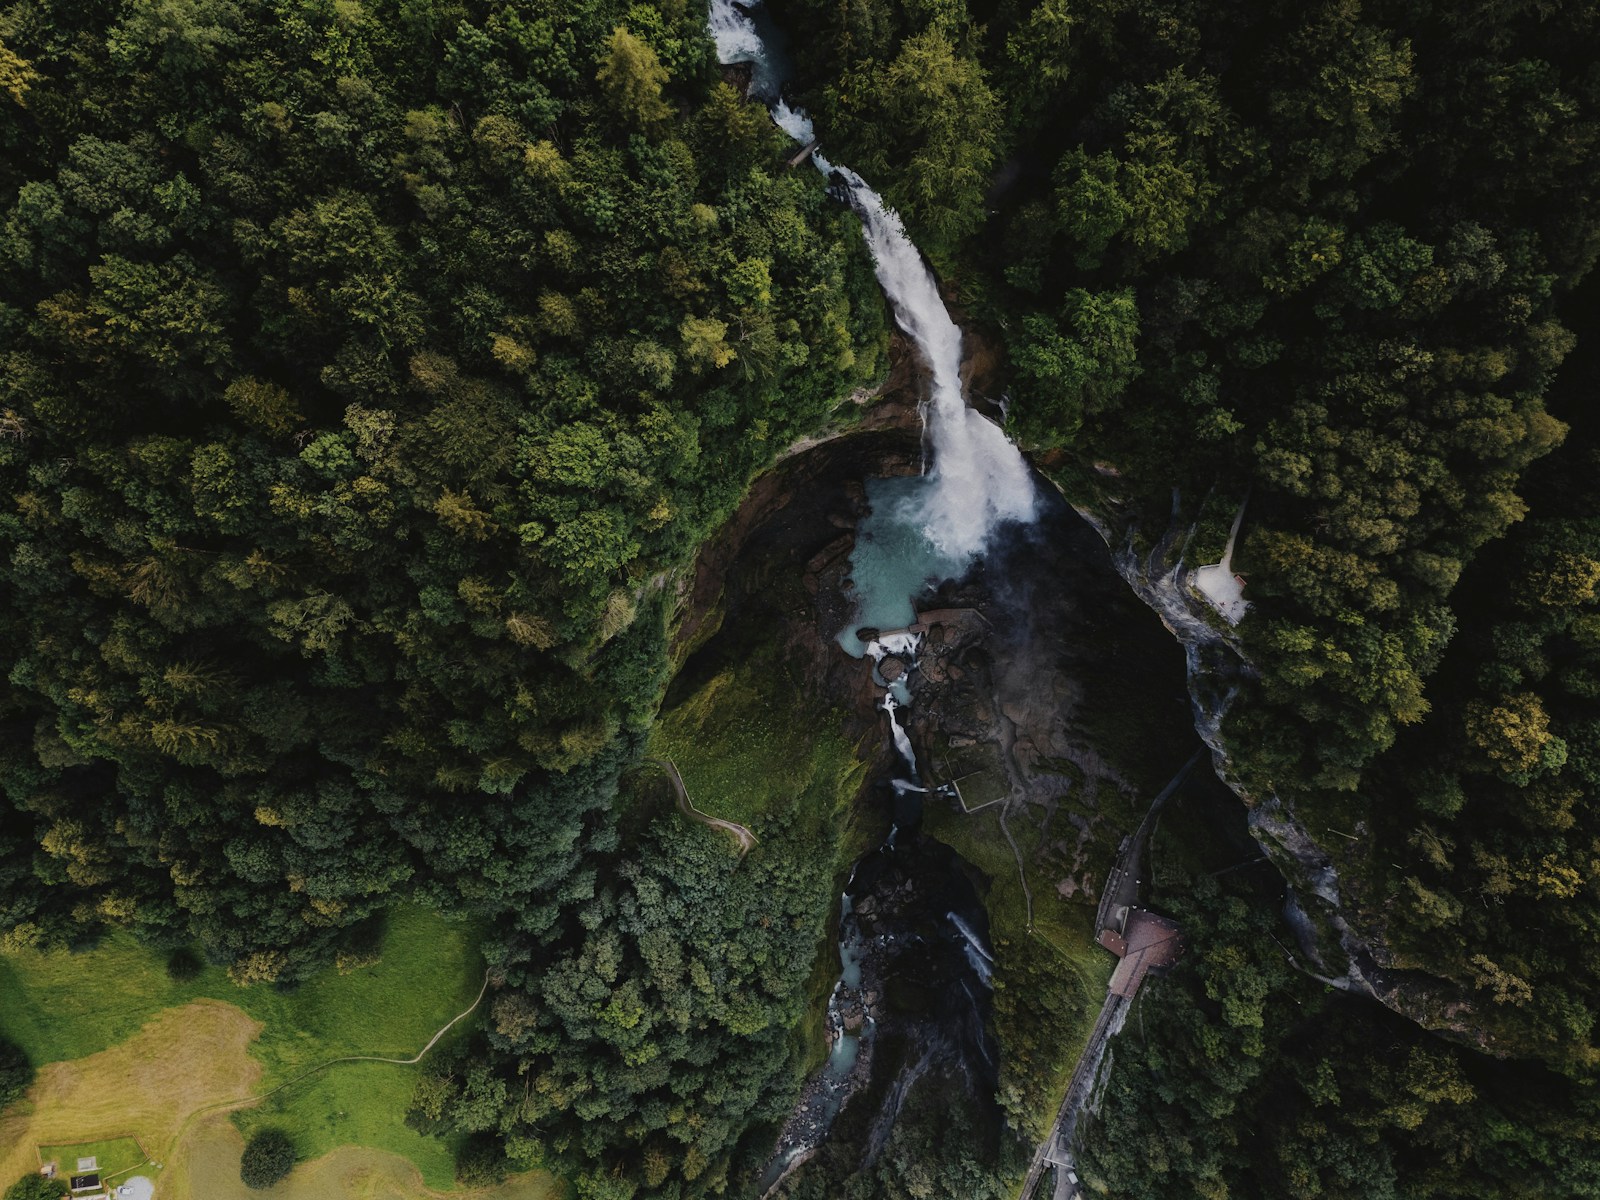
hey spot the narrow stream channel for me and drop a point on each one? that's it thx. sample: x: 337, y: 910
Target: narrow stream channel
x: 919, y: 531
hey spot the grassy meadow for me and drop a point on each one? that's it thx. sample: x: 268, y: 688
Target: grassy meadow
x: 210, y: 1171
x: 115, y: 1156
x: 125, y: 1050
x: 747, y: 745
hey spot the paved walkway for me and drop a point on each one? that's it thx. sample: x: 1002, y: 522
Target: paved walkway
x: 1056, y: 1149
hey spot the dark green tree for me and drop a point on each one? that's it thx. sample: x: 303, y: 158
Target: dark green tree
x: 34, y: 1186
x: 16, y: 1073
x: 268, y: 1157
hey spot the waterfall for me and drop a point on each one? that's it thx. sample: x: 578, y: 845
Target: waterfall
x: 920, y: 530
x: 902, y: 742
x: 979, y: 478
x: 929, y: 528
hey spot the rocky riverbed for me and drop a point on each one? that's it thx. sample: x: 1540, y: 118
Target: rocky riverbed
x: 1035, y: 686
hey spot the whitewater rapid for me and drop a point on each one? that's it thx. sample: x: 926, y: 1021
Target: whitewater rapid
x: 919, y: 531
x: 902, y: 742
x: 978, y: 479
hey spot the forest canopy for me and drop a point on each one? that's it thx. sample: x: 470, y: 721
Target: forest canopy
x: 370, y: 370
x: 364, y: 366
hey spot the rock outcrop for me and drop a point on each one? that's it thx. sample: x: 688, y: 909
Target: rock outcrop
x: 1340, y: 942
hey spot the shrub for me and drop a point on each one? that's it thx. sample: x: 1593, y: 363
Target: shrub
x: 363, y: 945
x: 34, y: 1186
x: 16, y: 1073
x: 183, y: 964
x: 481, y: 1162
x: 268, y: 1157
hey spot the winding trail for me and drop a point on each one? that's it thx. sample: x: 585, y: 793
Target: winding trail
x: 747, y: 840
x: 1019, y: 792
x: 222, y: 1106
x: 1022, y: 872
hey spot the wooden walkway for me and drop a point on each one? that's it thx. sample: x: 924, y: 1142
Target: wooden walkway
x: 1056, y: 1149
x: 1143, y: 941
x: 794, y: 160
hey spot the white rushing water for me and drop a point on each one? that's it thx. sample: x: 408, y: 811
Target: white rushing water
x: 902, y: 646
x: 902, y: 742
x: 978, y: 956
x: 930, y: 528
x: 979, y: 478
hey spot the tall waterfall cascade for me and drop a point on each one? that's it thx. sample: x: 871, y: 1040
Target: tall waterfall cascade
x: 919, y: 530
x: 929, y: 528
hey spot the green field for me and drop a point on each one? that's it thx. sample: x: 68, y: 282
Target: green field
x: 65, y: 1006
x: 355, y: 1104
x: 116, y: 1156
x: 745, y: 746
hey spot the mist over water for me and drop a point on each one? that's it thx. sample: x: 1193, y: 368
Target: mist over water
x: 919, y: 531
x: 929, y: 528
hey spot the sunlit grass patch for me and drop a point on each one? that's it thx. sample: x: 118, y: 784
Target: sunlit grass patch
x: 746, y: 745
x: 210, y: 1171
x: 185, y: 1059
x: 127, y: 1049
x: 63, y: 1006
x: 355, y: 1104
x: 113, y: 1156
x: 1056, y: 950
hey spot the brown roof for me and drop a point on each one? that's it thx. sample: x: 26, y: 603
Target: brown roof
x: 1151, y: 942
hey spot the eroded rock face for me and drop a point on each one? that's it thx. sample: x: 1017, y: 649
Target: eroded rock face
x: 1014, y: 660
x: 1340, y: 937
x: 1023, y: 665
x: 738, y: 76
x: 1216, y: 666
x: 787, y: 548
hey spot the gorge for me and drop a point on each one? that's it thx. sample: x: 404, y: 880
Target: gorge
x: 966, y: 510
x: 478, y: 509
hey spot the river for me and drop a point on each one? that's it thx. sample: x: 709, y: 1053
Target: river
x: 919, y: 531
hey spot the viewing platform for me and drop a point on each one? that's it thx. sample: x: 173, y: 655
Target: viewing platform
x: 1147, y: 942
